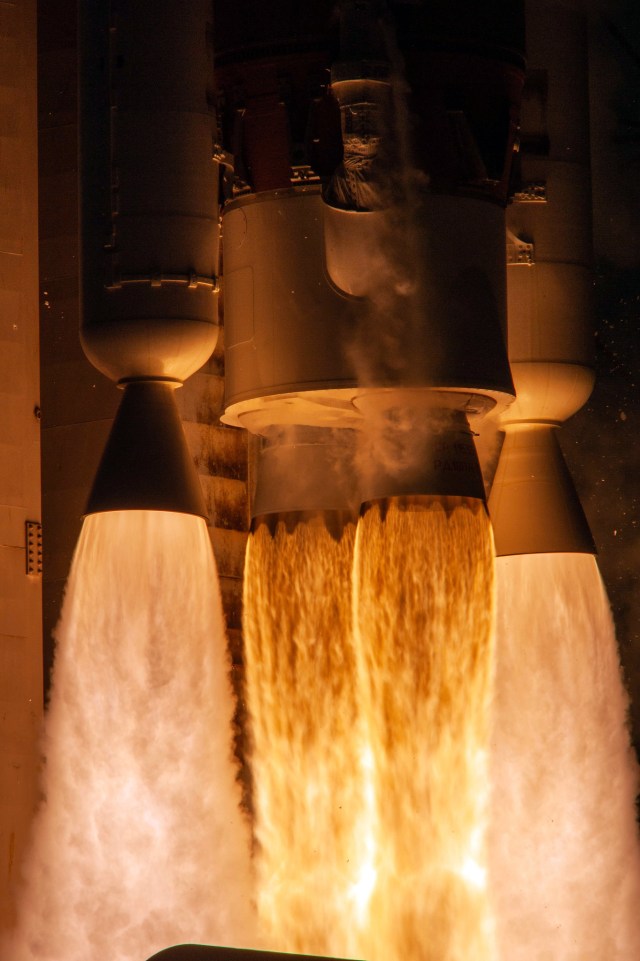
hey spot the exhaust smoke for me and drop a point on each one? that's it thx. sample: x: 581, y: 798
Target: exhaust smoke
x: 140, y: 841
x: 564, y: 849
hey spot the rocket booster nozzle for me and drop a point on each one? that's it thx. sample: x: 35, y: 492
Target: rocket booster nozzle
x: 534, y: 506
x: 146, y: 464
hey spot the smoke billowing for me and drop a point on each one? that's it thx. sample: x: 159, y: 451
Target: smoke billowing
x: 139, y: 842
x: 564, y: 848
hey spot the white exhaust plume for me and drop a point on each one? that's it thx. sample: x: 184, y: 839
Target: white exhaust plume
x: 140, y: 841
x: 564, y: 852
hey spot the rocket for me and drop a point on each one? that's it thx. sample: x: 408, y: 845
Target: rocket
x: 378, y: 198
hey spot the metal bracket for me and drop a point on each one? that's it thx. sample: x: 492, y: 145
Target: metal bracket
x: 33, y: 547
x: 531, y: 193
x: 520, y: 253
x: 304, y: 174
x: 191, y: 281
x: 223, y: 157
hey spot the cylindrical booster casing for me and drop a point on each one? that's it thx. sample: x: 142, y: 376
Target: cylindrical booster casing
x: 549, y: 246
x: 533, y: 504
x: 149, y: 251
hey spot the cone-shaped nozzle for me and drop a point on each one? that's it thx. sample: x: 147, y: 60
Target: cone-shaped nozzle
x: 306, y: 469
x: 417, y: 442
x: 146, y: 464
x: 534, y: 506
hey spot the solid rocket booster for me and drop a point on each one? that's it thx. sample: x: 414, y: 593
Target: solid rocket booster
x: 534, y: 505
x: 149, y: 251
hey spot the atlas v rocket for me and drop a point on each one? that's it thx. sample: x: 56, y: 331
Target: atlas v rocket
x: 403, y: 194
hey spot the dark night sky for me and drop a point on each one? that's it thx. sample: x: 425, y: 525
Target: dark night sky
x: 601, y: 442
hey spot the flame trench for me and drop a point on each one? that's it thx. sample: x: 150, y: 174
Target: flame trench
x: 140, y: 841
x: 311, y: 827
x: 565, y: 857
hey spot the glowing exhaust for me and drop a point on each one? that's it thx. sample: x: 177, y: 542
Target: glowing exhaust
x: 564, y: 865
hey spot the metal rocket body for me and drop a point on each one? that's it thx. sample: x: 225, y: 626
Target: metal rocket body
x: 149, y: 250
x: 363, y: 224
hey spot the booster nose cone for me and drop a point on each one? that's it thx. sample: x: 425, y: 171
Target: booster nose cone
x: 146, y: 464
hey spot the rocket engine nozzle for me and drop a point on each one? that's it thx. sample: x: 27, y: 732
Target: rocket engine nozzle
x: 534, y: 505
x: 146, y: 464
x: 418, y: 442
x: 306, y: 469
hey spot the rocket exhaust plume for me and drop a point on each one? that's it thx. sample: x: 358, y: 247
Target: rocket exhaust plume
x: 309, y: 797
x: 312, y: 807
x: 423, y: 633
x: 564, y: 848
x: 140, y: 841
x: 146, y: 464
